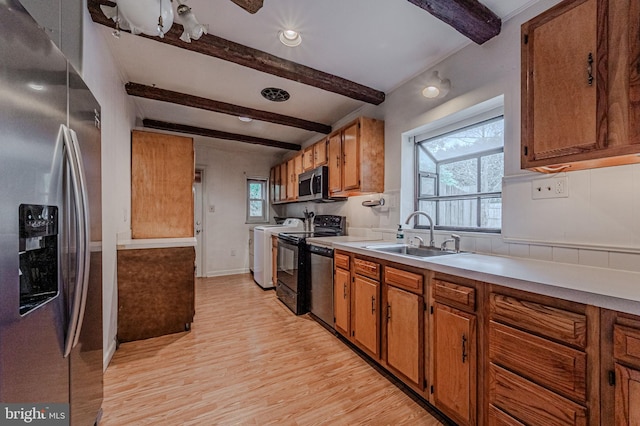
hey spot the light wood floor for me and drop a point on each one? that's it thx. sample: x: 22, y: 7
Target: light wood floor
x: 249, y: 360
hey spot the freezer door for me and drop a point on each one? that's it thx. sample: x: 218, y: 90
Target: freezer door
x: 86, y: 357
x: 33, y: 105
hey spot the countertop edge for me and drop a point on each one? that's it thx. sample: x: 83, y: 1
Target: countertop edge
x: 536, y: 276
x: 152, y: 243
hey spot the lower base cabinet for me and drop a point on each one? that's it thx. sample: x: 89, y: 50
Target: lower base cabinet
x: 365, y: 328
x: 627, y: 396
x: 155, y: 292
x: 455, y: 373
x: 404, y: 331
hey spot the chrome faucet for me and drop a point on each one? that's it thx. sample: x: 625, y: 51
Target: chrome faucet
x: 419, y: 238
x: 432, y: 241
x: 455, y: 238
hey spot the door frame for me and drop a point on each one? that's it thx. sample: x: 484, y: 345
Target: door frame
x: 201, y: 246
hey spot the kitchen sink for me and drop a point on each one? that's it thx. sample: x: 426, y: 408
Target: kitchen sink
x: 411, y: 250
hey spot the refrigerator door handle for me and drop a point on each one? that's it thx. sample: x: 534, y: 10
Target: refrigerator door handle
x: 79, y: 196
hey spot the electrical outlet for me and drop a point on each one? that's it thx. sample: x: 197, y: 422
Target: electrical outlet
x: 553, y: 187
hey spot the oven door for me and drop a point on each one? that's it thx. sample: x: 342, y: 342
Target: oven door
x: 288, y: 264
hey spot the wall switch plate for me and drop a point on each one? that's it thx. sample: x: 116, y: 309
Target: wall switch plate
x: 553, y: 187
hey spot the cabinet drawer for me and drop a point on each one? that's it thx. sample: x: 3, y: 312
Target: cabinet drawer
x: 626, y: 344
x: 366, y: 268
x: 498, y: 417
x: 530, y: 403
x: 563, y: 326
x: 552, y: 365
x: 341, y: 260
x: 403, y: 279
x: 454, y: 293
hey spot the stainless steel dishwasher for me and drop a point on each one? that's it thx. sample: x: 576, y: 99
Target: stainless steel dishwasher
x: 321, y: 279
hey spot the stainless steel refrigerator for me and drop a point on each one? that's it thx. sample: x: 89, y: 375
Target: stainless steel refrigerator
x: 50, y: 225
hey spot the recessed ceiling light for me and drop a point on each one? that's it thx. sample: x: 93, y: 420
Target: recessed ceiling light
x: 245, y: 119
x: 430, y: 92
x: 36, y: 86
x: 290, y: 38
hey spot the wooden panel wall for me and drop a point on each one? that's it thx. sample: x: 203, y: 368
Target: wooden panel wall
x: 162, y: 172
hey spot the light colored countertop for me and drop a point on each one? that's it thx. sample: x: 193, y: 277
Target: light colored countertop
x: 606, y: 288
x: 151, y: 243
x: 329, y: 241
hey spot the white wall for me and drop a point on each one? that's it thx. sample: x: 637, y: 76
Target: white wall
x: 118, y: 117
x: 224, y: 188
x: 596, y: 225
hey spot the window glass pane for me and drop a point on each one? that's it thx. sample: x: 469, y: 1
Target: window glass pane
x: 471, y: 140
x: 461, y: 213
x: 255, y: 208
x: 491, y: 213
x: 255, y: 191
x: 492, y: 170
x: 425, y: 162
x: 427, y: 185
x: 429, y: 207
x: 459, y: 178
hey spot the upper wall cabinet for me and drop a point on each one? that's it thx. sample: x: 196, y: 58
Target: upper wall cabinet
x: 356, y: 158
x: 579, y: 78
x: 162, y: 172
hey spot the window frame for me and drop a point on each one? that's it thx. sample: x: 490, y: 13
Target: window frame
x: 479, y: 195
x: 264, y: 182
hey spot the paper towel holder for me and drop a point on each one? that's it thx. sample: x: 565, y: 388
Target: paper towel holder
x: 373, y: 203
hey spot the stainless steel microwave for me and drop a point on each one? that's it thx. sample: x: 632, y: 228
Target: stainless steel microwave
x: 314, y: 184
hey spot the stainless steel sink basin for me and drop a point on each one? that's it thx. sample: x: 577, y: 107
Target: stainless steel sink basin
x: 411, y: 250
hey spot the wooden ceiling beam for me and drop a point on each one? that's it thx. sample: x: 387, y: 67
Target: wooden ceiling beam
x: 226, y: 50
x: 469, y: 17
x: 217, y: 134
x: 157, y: 94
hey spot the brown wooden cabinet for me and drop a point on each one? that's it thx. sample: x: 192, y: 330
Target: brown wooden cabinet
x: 155, y: 292
x: 540, y: 368
x: 162, y: 174
x: 404, y: 322
x: 620, y: 376
x: 365, y: 325
x: 580, y: 86
x: 294, y: 168
x: 455, y: 363
x: 356, y: 158
x: 342, y: 293
x: 284, y: 181
x: 315, y: 155
x: 454, y: 348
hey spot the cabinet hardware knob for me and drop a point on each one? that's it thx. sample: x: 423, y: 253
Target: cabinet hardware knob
x: 590, y: 69
x: 464, y: 348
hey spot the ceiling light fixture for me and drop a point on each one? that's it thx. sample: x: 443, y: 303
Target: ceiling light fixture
x: 436, y: 87
x: 245, y: 119
x: 154, y: 18
x: 36, y: 86
x: 290, y: 38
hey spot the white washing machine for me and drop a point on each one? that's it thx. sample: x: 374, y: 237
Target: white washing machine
x: 262, y: 272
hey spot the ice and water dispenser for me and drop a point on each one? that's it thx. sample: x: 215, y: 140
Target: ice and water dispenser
x: 38, y: 255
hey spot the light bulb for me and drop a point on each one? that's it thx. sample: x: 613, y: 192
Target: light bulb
x: 430, y: 92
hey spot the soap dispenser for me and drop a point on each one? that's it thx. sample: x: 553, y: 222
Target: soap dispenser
x: 400, y: 235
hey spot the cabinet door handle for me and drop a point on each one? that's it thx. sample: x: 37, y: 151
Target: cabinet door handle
x: 590, y: 69
x: 464, y: 348
x: 338, y: 161
x: 389, y: 312
x: 373, y: 306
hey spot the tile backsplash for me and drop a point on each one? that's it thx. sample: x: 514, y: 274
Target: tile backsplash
x: 494, y: 244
